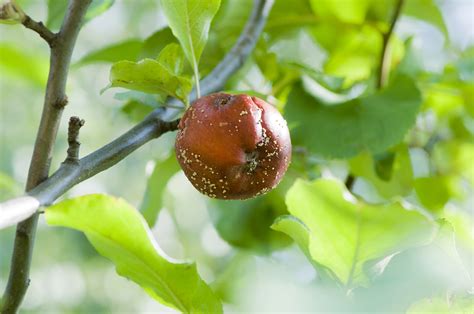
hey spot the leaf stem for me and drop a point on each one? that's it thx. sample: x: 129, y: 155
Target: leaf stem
x: 196, y: 78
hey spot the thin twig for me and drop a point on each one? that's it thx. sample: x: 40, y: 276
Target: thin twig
x: 54, y: 102
x: 385, y: 58
x: 75, y: 124
x: 39, y: 28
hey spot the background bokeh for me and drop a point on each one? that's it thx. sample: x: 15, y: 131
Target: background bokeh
x: 68, y: 276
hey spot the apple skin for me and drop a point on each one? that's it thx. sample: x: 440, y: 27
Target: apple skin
x: 233, y: 146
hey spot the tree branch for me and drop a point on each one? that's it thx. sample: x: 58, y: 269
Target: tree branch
x: 151, y: 127
x: 39, y: 28
x: 13, y: 12
x: 384, y: 67
x: 75, y: 124
x: 54, y: 102
x: 385, y: 59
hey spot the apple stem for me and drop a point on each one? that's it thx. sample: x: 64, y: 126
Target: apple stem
x: 196, y: 79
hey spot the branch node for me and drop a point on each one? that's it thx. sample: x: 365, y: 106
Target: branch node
x: 40, y: 29
x: 75, y: 124
x: 167, y: 126
x: 60, y: 103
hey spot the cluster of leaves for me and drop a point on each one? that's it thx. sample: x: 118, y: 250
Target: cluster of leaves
x: 409, y: 146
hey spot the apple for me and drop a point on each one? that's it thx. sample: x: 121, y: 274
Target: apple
x: 233, y: 146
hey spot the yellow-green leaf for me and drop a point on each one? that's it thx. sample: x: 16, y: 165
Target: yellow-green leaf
x: 119, y: 233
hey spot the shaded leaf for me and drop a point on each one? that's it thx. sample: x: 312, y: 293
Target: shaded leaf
x: 96, y: 8
x: 245, y: 224
x: 57, y: 10
x: 455, y: 158
x: 375, y: 123
x: 8, y: 187
x: 119, y: 232
x: 156, y: 42
x: 226, y: 27
x: 126, y: 50
x: 153, y: 199
x: 398, y: 182
x: 299, y: 48
x: 136, y: 110
x: 288, y: 16
x: 351, y: 11
x: 15, y: 61
x: 434, y: 192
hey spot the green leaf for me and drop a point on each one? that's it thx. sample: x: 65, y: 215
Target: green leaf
x: 465, y: 67
x: 136, y: 110
x: 299, y: 48
x: 150, y: 76
x: 153, y: 198
x: 456, y: 304
x: 326, y: 96
x: 20, y: 63
x: 296, y: 229
x: 57, y: 10
x: 455, y: 158
x: 355, y: 54
x: 289, y: 15
x: 463, y: 224
x: 428, y: 11
x: 245, y: 224
x: 453, y: 305
x: 96, y: 8
x: 126, y: 50
x: 434, y: 192
x: 375, y: 122
x: 190, y: 21
x: 8, y: 187
x: 348, y: 236
x: 118, y: 232
x: 351, y: 11
x: 172, y: 58
x: 226, y: 27
x: 399, y: 180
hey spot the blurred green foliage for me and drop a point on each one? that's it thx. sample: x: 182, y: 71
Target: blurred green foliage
x: 409, y: 147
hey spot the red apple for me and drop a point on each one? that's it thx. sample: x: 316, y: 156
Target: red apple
x: 233, y: 146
